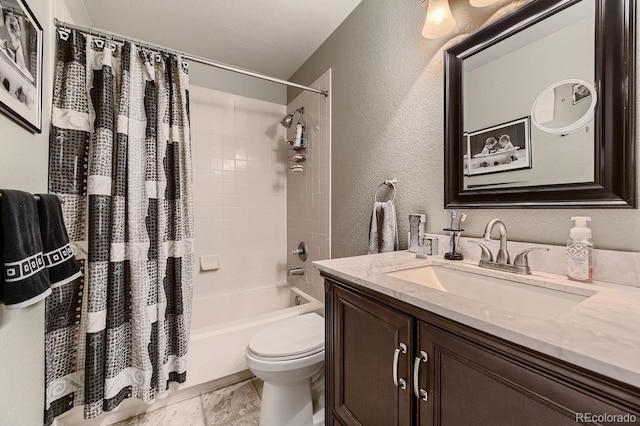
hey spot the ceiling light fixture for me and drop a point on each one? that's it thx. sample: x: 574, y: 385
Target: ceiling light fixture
x: 439, y: 21
x: 482, y: 3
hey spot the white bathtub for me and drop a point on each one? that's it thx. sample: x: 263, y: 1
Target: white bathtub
x: 222, y: 324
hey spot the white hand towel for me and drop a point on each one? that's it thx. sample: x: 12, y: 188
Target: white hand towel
x: 383, y: 234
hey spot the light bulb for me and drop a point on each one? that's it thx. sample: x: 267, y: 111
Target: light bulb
x: 482, y: 3
x: 439, y: 21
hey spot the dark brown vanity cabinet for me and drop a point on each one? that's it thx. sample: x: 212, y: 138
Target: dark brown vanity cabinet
x: 369, y: 341
x: 390, y: 363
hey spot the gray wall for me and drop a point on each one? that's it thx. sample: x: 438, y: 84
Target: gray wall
x: 388, y: 121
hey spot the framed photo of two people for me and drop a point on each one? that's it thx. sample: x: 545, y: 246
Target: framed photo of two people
x: 499, y: 148
x: 20, y: 65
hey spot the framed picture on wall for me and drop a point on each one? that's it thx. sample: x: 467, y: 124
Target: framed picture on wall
x: 20, y: 65
x: 500, y: 148
x: 580, y: 93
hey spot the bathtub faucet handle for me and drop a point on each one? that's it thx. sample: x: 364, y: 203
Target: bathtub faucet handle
x: 301, y: 251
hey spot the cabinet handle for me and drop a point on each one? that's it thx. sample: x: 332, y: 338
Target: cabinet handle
x: 420, y: 393
x: 396, y: 355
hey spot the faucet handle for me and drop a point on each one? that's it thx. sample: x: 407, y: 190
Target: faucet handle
x: 521, y: 258
x: 486, y: 253
x: 301, y: 251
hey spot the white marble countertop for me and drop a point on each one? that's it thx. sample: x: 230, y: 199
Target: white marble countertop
x: 601, y: 333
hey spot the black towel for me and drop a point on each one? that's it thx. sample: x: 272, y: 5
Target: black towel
x: 58, y: 257
x: 25, y: 279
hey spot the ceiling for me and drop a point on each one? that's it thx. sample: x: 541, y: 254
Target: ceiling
x: 273, y: 37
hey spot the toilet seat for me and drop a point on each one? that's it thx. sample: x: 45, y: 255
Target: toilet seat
x: 285, y: 358
x: 293, y: 338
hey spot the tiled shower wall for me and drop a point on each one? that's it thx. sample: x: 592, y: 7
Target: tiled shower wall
x: 240, y: 192
x: 309, y: 192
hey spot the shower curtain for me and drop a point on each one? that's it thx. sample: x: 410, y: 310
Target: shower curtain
x: 120, y: 157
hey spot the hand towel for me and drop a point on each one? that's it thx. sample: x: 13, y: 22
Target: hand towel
x: 25, y: 279
x: 383, y: 233
x: 58, y: 257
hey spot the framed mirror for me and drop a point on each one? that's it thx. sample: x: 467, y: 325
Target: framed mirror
x: 540, y: 109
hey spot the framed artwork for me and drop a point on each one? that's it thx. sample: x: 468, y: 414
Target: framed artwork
x: 20, y: 65
x: 500, y: 148
x: 580, y: 93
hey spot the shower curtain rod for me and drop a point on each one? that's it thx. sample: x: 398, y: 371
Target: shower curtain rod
x: 186, y: 56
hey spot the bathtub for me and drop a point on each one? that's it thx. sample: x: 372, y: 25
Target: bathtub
x: 221, y: 326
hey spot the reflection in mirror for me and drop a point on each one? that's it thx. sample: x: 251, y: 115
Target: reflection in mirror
x: 576, y: 153
x: 502, y: 82
x: 565, y: 107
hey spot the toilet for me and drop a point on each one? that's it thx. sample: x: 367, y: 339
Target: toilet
x: 286, y: 355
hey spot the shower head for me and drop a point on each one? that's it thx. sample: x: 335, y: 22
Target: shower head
x: 288, y: 119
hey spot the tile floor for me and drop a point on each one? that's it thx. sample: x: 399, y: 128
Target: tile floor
x: 237, y: 404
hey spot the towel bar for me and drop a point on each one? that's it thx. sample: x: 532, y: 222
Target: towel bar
x: 392, y: 184
x: 38, y: 198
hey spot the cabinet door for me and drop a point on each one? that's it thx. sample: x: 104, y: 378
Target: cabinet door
x: 367, y: 337
x: 470, y: 384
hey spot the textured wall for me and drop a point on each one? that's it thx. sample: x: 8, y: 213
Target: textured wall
x: 388, y: 121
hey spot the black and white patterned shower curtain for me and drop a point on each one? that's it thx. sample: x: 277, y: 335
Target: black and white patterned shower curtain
x: 120, y: 157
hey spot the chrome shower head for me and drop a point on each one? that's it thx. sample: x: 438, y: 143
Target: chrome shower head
x: 288, y: 119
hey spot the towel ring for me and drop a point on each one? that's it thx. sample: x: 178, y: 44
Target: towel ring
x: 390, y: 183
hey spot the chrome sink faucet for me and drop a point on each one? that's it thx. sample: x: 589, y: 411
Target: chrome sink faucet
x: 520, y: 263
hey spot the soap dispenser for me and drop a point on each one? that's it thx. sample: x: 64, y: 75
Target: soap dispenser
x: 580, y: 251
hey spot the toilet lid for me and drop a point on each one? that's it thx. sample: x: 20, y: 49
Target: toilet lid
x: 294, y: 336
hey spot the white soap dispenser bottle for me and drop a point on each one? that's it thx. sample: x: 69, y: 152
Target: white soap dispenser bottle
x: 580, y: 251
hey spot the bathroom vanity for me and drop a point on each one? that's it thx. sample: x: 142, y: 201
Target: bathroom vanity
x: 422, y: 342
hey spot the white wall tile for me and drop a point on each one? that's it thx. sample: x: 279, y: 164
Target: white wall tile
x: 244, y: 192
x: 240, y: 215
x: 308, y: 192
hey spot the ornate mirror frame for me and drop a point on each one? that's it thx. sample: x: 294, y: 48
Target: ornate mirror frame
x: 614, y: 183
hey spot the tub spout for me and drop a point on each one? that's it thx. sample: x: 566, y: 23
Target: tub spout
x: 295, y: 271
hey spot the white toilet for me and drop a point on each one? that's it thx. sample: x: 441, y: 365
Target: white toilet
x: 285, y: 355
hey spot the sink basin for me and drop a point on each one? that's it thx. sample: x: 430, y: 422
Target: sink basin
x: 523, y: 299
